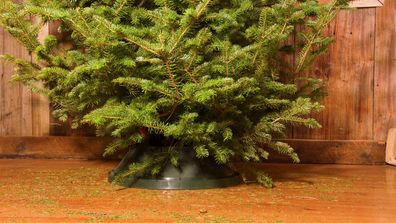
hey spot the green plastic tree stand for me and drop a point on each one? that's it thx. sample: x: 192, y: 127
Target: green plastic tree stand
x: 192, y: 173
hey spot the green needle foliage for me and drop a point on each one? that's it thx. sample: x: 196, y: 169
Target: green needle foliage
x: 199, y: 74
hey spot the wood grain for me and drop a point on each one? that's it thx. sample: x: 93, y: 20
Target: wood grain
x: 2, y: 92
x: 310, y: 151
x: 27, y: 106
x: 321, y: 69
x: 385, y: 71
x: 336, y: 151
x: 22, y: 113
x: 52, y: 147
x: 348, y: 72
x: 65, y: 191
x: 11, y: 103
x: 41, y: 112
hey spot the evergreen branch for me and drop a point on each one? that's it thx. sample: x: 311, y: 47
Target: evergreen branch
x: 227, y: 63
x: 201, y: 9
x: 191, y: 75
x: 187, y: 69
x: 323, y: 22
x: 171, y: 77
x: 142, y: 44
x: 33, y: 42
x: 15, y: 21
x: 263, y: 23
x: 82, y: 18
x: 263, y: 38
x: 197, y: 72
x: 146, y: 85
x: 299, y: 107
x: 155, y: 16
x: 77, y: 27
x: 171, y: 112
x: 132, y: 39
x: 120, y: 7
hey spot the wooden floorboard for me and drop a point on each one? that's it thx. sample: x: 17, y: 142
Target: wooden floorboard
x: 77, y: 191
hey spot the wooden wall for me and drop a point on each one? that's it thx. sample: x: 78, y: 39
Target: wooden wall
x: 359, y: 71
x: 22, y: 113
x: 360, y: 74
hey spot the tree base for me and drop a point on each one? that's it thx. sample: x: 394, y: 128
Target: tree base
x: 182, y: 183
x: 192, y: 173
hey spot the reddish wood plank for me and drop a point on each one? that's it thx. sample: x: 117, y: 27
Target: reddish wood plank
x: 65, y: 191
x: 1, y: 81
x: 41, y: 110
x: 310, y: 151
x: 27, y: 109
x: 336, y: 151
x: 27, y: 106
x: 385, y: 70
x: 16, y: 100
x: 351, y: 80
x: 348, y: 71
x: 321, y: 69
x: 11, y: 102
x: 52, y: 147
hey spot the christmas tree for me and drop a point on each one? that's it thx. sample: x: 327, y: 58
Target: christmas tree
x: 203, y: 74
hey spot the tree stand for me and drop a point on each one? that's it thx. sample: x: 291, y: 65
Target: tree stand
x: 192, y: 173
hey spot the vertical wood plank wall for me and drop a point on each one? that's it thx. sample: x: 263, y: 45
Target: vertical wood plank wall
x: 385, y: 70
x: 348, y: 71
x: 22, y: 113
x: 359, y: 71
x: 360, y: 74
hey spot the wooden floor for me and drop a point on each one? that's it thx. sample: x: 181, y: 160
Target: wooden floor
x: 77, y: 191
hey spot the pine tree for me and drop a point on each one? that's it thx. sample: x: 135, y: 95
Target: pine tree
x: 202, y: 74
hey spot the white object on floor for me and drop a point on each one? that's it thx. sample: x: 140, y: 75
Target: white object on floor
x: 390, y: 156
